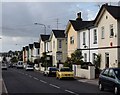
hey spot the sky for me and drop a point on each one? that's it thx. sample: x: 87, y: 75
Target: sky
x: 18, y: 29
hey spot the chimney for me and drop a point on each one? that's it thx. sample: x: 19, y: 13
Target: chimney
x: 79, y: 16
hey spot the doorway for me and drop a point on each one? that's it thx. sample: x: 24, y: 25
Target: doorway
x: 106, y: 60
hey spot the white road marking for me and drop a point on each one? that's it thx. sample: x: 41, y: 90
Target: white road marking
x: 54, y: 85
x: 35, y: 78
x: 71, y: 92
x: 43, y: 81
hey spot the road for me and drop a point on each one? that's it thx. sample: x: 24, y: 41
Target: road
x: 21, y: 81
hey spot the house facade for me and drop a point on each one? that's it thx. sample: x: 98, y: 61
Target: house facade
x: 57, y: 46
x: 42, y: 41
x: 89, y: 42
x: 108, y: 23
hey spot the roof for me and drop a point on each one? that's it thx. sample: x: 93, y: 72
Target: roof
x: 44, y: 37
x: 59, y: 33
x: 27, y: 48
x: 31, y: 46
x: 113, y: 10
x: 37, y: 45
x: 78, y: 24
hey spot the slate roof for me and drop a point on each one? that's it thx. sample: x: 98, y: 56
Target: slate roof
x: 113, y: 10
x: 31, y: 46
x: 44, y: 37
x: 59, y: 33
x: 27, y: 48
x: 23, y: 48
x: 78, y: 24
x: 37, y: 45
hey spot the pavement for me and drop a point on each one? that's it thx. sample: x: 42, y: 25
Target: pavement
x: 90, y: 81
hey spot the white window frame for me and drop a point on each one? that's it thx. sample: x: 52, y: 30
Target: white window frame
x: 102, y: 32
x: 72, y: 40
x: 60, y: 43
x: 53, y: 44
x: 95, y: 36
x: 84, y: 38
x: 111, y: 31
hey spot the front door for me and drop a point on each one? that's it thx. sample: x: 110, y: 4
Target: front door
x: 106, y: 60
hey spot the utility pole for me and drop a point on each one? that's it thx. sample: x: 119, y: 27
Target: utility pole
x: 57, y: 21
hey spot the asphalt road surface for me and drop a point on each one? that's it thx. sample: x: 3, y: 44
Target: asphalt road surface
x: 21, y: 81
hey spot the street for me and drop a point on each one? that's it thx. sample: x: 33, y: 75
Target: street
x: 21, y: 81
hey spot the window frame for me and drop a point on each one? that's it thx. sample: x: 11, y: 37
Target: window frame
x: 60, y: 43
x: 102, y: 32
x: 95, y: 36
x: 111, y: 31
x: 72, y: 40
x: 84, y: 38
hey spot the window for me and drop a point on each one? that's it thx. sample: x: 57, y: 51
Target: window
x: 53, y: 44
x: 84, y: 38
x: 95, y: 36
x: 106, y: 72
x: 38, y: 51
x: 60, y: 43
x: 71, y: 40
x: 93, y: 55
x: 85, y: 57
x: 111, y: 74
x: 111, y: 30
x: 102, y: 32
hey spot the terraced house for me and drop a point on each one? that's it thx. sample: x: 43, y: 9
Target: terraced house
x: 108, y: 23
x: 57, y: 46
x: 100, y: 36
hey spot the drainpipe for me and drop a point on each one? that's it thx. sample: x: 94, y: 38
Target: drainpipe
x: 89, y: 42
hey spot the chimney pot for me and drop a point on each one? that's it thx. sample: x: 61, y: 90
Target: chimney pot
x: 79, y: 16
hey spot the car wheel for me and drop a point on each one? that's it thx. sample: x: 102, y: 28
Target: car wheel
x: 116, y: 90
x: 101, y: 88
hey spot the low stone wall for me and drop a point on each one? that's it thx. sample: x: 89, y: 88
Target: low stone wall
x: 84, y: 73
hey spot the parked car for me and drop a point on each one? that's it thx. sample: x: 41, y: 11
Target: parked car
x: 50, y: 71
x: 64, y: 72
x: 29, y: 68
x: 20, y: 64
x: 110, y: 79
x: 4, y: 66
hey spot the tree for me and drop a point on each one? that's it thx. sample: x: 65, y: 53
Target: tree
x: 14, y: 59
x: 77, y: 57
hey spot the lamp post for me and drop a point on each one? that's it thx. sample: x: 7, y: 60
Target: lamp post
x: 42, y: 25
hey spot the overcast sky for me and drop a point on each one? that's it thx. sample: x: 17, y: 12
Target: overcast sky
x: 18, y: 20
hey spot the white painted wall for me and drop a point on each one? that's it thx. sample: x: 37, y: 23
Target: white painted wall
x: 84, y: 73
x: 92, y: 45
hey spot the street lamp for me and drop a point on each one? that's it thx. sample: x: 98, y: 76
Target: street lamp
x: 42, y: 25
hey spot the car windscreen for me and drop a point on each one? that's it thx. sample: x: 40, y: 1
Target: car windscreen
x: 53, y: 69
x: 65, y: 70
x: 117, y: 73
x: 30, y: 66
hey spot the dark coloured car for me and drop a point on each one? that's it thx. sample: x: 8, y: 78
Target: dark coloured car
x: 51, y: 71
x: 110, y: 79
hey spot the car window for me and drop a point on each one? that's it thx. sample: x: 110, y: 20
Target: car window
x: 111, y: 73
x: 105, y: 73
x: 117, y: 73
x: 53, y: 69
x: 65, y: 69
